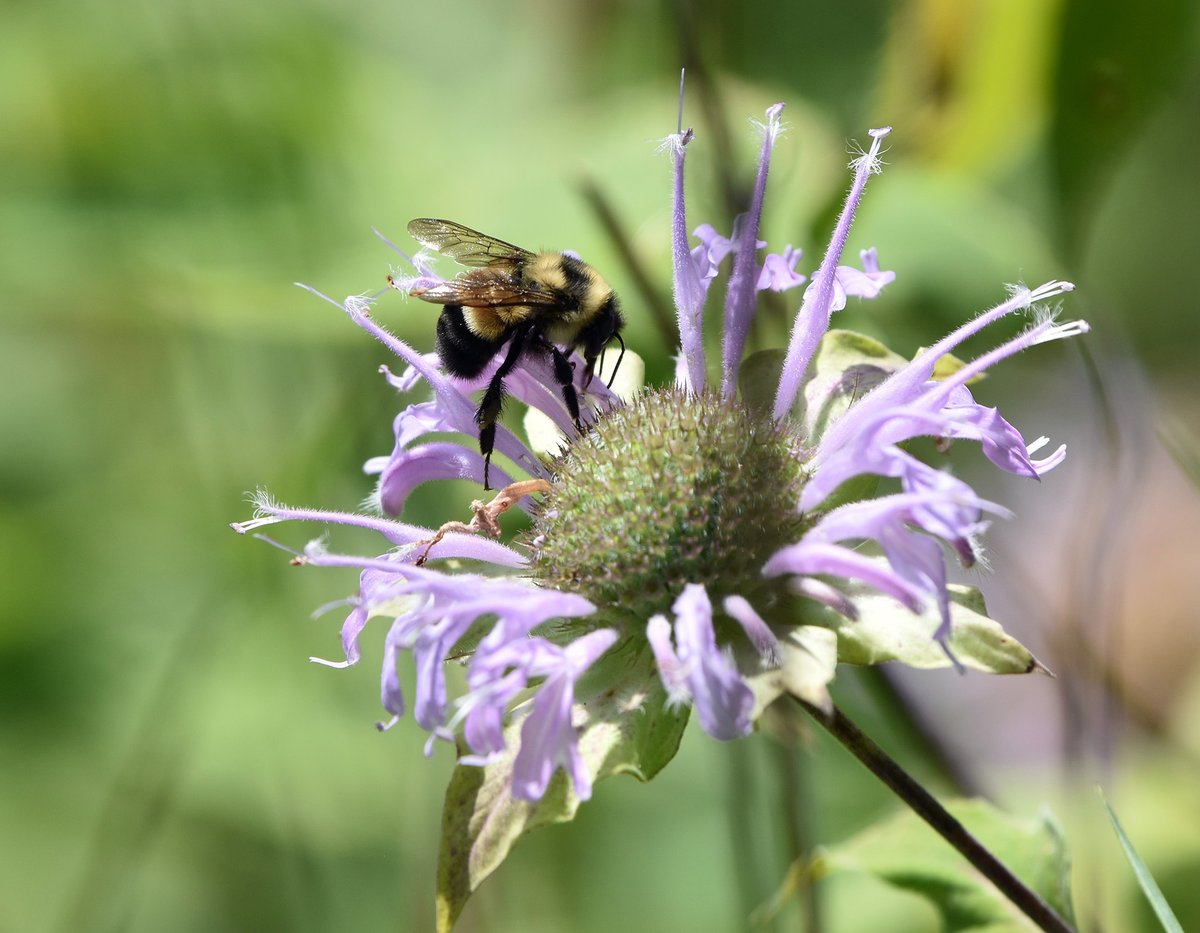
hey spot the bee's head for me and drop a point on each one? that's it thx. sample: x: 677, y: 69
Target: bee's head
x: 604, y: 327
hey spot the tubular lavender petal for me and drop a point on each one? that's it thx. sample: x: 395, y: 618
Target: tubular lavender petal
x: 743, y: 279
x: 813, y: 318
x: 689, y: 290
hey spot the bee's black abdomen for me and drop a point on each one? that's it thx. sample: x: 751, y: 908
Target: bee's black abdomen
x: 462, y: 352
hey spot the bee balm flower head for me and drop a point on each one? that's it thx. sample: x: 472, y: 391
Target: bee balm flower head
x: 693, y: 547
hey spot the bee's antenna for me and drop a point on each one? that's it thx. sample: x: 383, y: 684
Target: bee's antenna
x: 620, y: 356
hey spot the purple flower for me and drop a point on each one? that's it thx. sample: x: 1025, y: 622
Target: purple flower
x: 743, y: 279
x: 691, y: 530
x: 779, y: 271
x: 696, y: 670
x: 548, y: 737
x: 812, y: 320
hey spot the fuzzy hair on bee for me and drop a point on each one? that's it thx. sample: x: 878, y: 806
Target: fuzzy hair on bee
x: 546, y: 302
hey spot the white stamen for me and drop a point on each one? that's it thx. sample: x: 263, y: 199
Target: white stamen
x: 1063, y: 331
x: 259, y: 522
x: 774, y: 126
x: 870, y: 161
x: 340, y: 665
x: 1034, y: 446
x: 322, y: 295
x: 280, y: 546
x: 1051, y: 289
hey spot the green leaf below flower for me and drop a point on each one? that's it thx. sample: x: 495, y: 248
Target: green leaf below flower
x: 758, y: 379
x: 807, y: 663
x: 846, y: 367
x: 905, y: 852
x: 887, y: 631
x: 947, y: 365
x: 625, y: 730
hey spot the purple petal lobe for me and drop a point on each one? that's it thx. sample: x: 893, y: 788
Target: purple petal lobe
x: 698, y: 669
x: 409, y: 467
x: 779, y: 273
x: 549, y: 737
x: 756, y: 629
x: 807, y: 558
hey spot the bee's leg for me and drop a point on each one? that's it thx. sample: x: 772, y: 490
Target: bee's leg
x: 564, y: 375
x: 487, y: 442
x: 493, y: 402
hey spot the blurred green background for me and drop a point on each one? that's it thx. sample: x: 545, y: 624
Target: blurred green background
x: 170, y: 759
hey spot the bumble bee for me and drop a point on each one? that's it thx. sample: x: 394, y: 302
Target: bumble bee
x: 546, y: 302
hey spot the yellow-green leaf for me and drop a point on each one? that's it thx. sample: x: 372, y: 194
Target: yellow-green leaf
x: 628, y: 730
x: 887, y: 631
x: 807, y: 663
x: 845, y: 368
x: 905, y: 852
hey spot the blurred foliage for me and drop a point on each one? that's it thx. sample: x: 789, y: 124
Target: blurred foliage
x: 904, y: 852
x: 172, y: 761
x: 1154, y: 895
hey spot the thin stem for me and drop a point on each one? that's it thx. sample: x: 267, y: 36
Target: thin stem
x: 925, y: 806
x: 797, y: 826
x: 742, y: 792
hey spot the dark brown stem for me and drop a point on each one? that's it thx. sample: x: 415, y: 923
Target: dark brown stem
x: 925, y: 806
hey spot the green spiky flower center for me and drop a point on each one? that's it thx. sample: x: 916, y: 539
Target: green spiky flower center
x: 669, y: 490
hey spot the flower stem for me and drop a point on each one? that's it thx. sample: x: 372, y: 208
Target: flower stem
x: 797, y: 824
x: 923, y: 803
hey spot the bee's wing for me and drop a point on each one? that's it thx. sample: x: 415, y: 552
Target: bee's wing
x: 464, y: 245
x: 490, y: 288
